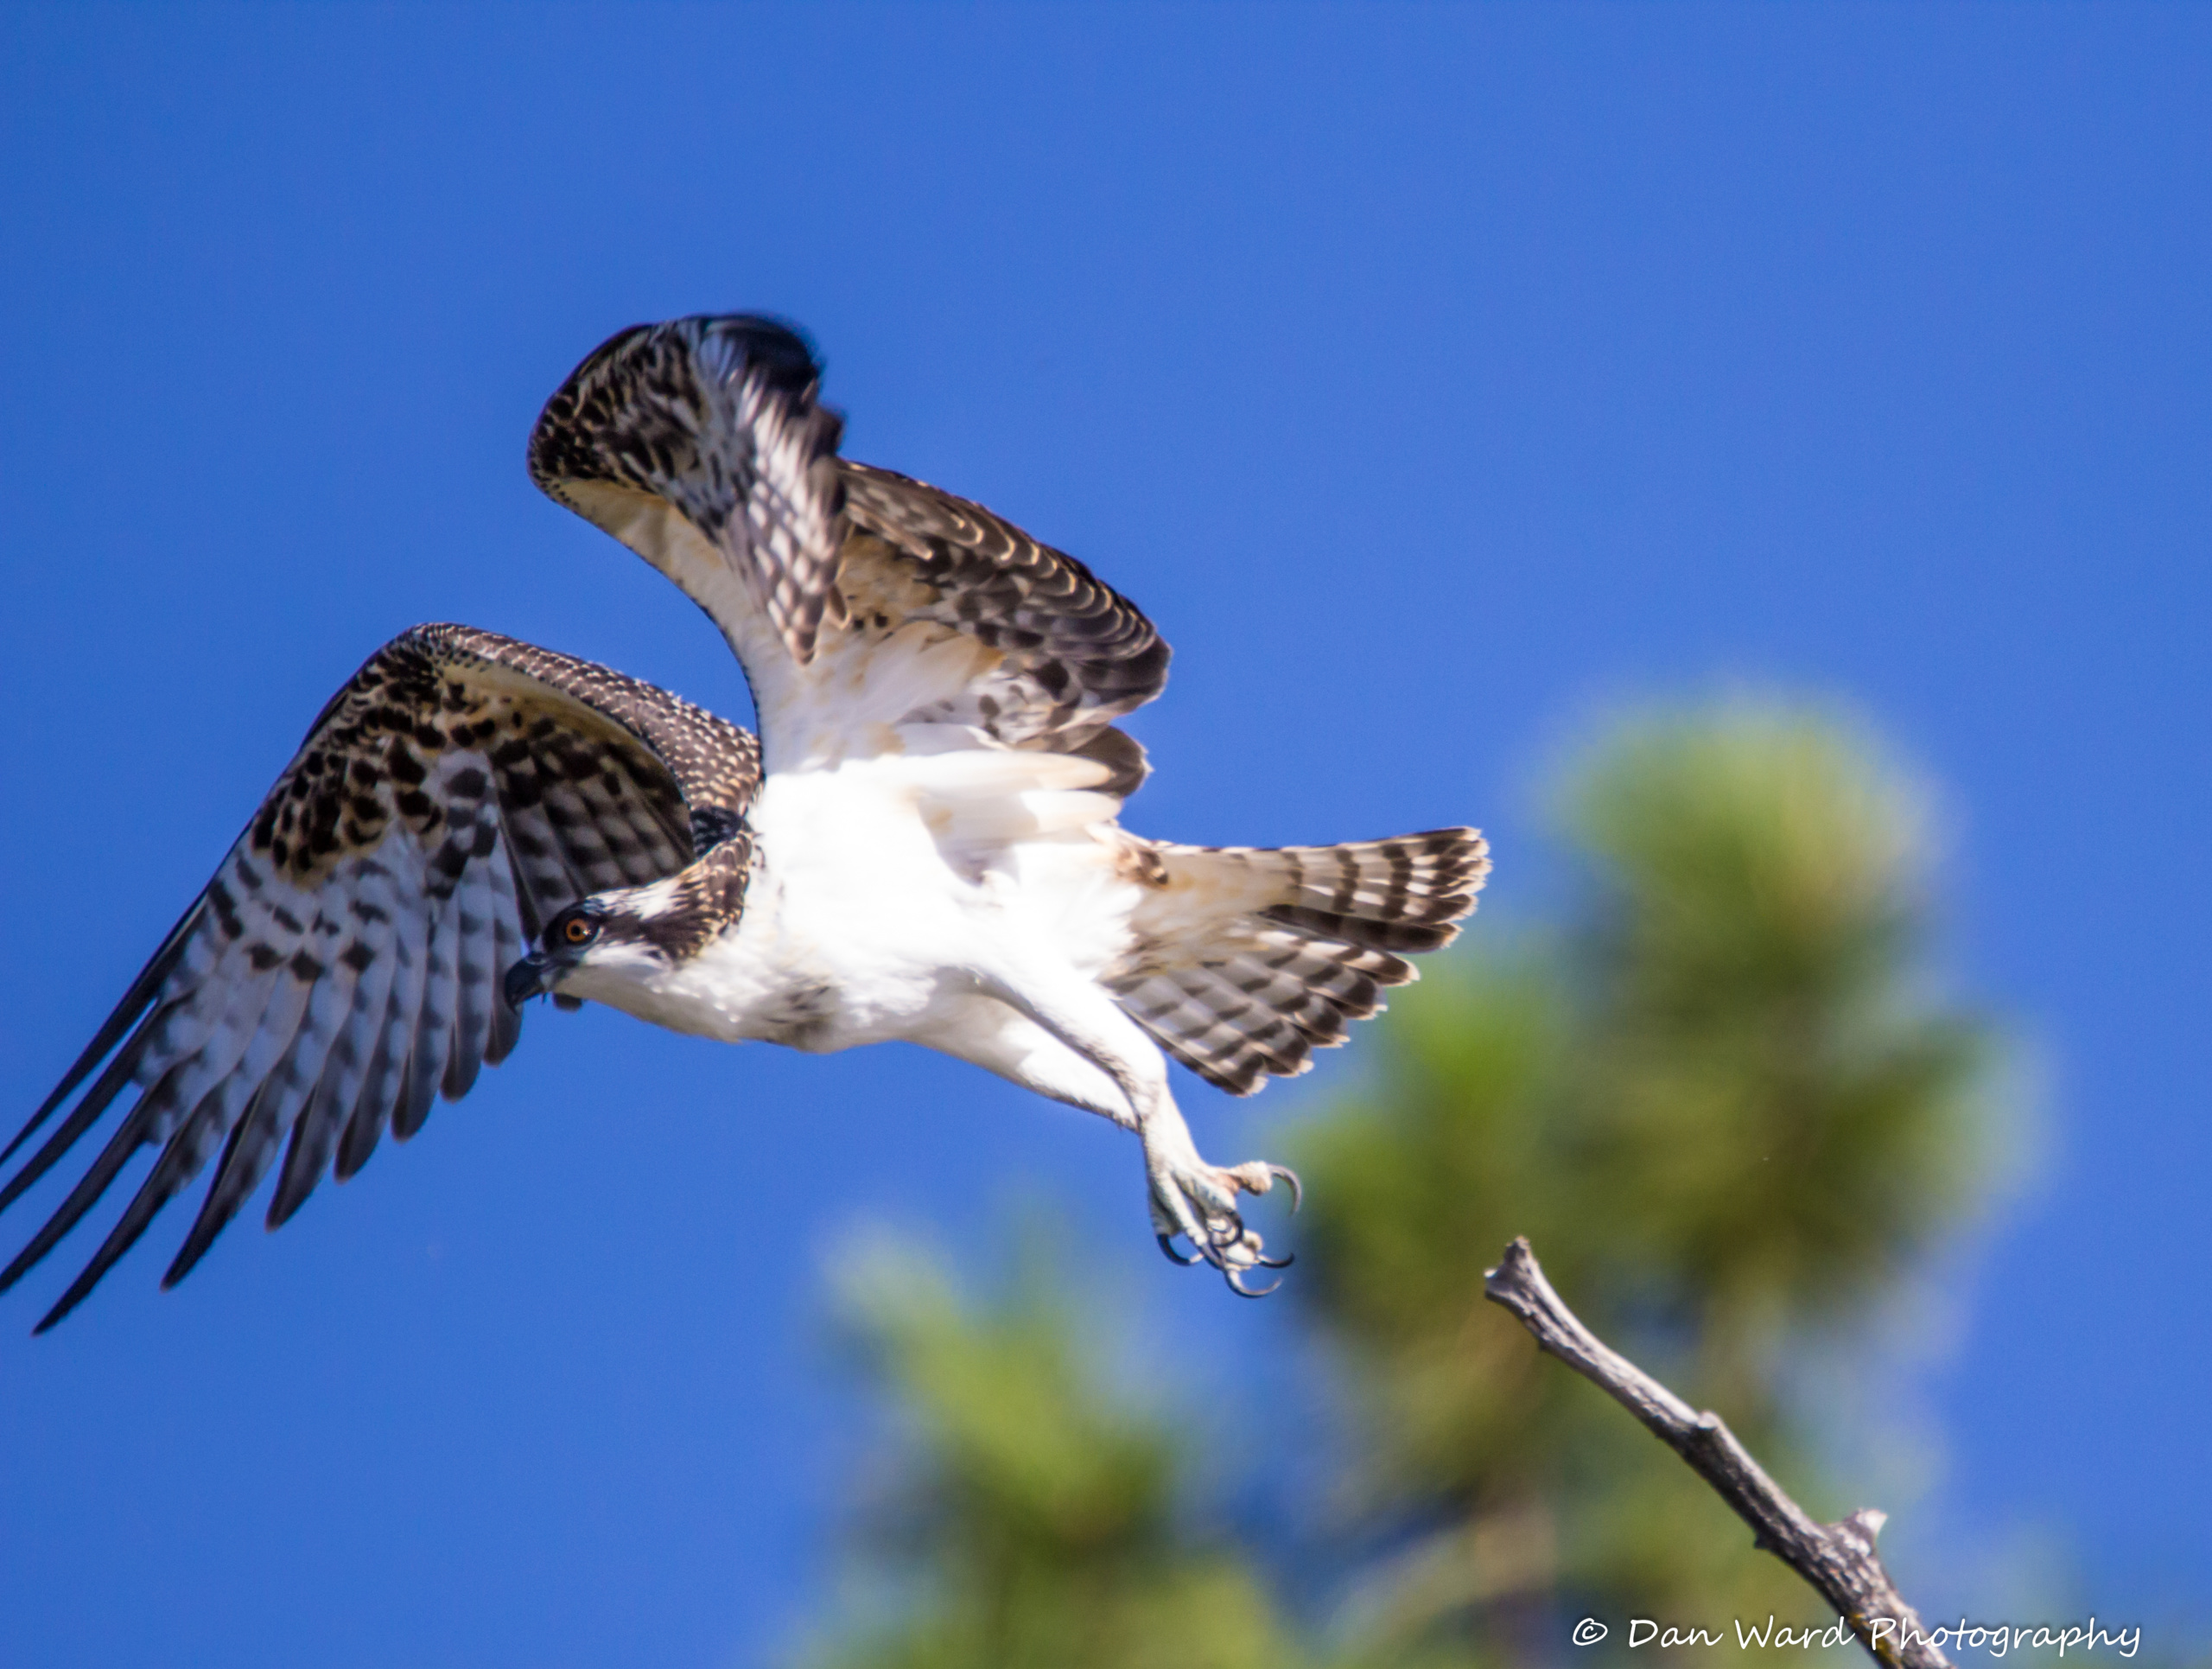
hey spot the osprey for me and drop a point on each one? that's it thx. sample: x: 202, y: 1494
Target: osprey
x: 922, y: 844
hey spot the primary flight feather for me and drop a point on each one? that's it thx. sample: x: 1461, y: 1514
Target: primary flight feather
x: 923, y: 845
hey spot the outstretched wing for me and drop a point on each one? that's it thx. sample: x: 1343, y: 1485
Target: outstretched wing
x: 343, y: 968
x: 872, y: 613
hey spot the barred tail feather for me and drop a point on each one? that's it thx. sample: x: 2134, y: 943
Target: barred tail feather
x: 1247, y: 960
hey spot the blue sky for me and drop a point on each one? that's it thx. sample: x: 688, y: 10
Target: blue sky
x: 1434, y: 376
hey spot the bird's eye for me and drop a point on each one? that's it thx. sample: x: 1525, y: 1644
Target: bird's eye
x: 578, y: 930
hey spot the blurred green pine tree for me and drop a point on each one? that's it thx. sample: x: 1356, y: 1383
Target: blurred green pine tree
x: 1724, y: 1101
x: 1729, y: 1110
x: 1036, y: 1521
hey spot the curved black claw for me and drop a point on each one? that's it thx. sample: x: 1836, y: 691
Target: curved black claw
x: 1285, y: 1174
x: 1167, y: 1249
x: 1283, y: 1262
x: 1235, y: 1279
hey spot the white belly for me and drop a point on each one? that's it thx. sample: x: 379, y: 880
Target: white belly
x: 881, y: 906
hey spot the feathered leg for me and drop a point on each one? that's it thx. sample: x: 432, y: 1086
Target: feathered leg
x: 1067, y: 1040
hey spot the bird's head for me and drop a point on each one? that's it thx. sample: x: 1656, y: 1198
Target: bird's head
x: 605, y: 933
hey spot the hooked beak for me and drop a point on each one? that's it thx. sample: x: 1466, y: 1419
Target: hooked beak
x: 532, y: 976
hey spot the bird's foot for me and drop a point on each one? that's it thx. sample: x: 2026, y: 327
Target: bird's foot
x: 1197, y: 1201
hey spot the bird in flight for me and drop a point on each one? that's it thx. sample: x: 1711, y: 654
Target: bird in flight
x: 923, y: 844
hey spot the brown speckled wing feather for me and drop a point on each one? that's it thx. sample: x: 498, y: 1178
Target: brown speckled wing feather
x: 1072, y: 653
x: 856, y: 598
x: 342, y: 970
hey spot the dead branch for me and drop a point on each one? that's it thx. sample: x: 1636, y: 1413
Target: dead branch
x: 1838, y: 1559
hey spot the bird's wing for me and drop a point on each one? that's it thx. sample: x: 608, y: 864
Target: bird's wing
x: 873, y: 614
x: 343, y: 967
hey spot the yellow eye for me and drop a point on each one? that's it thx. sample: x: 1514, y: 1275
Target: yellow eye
x: 577, y: 930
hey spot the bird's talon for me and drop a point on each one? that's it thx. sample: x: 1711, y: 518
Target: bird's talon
x: 1235, y: 1279
x: 1167, y: 1248
x: 1196, y: 1203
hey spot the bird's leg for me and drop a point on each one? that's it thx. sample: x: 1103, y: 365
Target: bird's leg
x: 1189, y: 1199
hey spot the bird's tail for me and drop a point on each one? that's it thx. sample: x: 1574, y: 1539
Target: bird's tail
x: 1248, y: 960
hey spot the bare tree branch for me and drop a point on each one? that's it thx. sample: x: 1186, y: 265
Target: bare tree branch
x: 1838, y: 1559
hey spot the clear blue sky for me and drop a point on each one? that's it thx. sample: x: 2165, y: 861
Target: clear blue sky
x: 1431, y: 376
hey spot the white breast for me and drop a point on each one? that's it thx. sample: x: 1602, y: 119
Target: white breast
x: 883, y: 887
